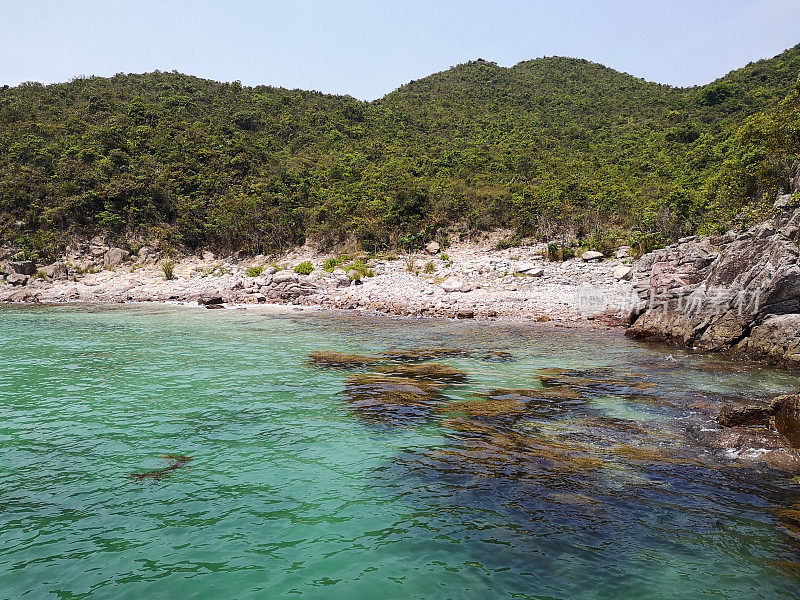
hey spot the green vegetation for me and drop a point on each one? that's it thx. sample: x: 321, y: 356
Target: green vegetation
x: 304, y: 268
x: 430, y: 268
x: 548, y: 148
x: 254, y: 271
x: 168, y: 268
x: 360, y: 266
x: 330, y: 264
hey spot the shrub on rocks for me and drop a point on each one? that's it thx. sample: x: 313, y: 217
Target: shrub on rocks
x: 304, y: 268
x: 168, y: 269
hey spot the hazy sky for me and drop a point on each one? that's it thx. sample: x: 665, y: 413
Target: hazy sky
x: 368, y: 48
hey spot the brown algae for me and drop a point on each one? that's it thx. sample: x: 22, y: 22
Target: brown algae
x: 176, y: 462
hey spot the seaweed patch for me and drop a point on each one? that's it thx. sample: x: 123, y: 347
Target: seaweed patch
x: 176, y: 462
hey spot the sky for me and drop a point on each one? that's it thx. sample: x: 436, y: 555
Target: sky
x: 368, y: 48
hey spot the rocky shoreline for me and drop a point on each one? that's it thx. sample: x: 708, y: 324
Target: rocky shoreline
x: 466, y: 281
x: 738, y: 292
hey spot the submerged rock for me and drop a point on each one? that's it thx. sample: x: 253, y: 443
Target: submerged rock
x: 425, y: 354
x: 743, y: 416
x: 339, y: 360
x: 392, y: 400
x: 431, y: 371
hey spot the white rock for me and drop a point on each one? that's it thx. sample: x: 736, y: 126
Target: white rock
x: 283, y: 276
x: 623, y: 272
x: 432, y: 248
x: 525, y: 267
x: 452, y: 284
x: 591, y: 255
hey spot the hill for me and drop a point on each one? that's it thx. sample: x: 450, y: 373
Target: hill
x: 553, y: 147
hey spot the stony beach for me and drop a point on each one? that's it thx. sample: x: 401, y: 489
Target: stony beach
x: 462, y: 281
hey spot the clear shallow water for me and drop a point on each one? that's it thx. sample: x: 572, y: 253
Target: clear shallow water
x: 615, y: 492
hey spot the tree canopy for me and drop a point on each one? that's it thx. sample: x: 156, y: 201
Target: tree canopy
x: 548, y: 147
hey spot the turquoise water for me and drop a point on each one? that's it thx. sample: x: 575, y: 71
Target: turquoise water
x: 289, y: 488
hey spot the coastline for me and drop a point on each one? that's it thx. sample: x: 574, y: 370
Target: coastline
x: 470, y: 281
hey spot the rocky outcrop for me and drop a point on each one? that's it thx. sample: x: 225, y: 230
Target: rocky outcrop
x: 738, y: 291
x: 22, y: 267
x: 57, y: 270
x: 115, y: 257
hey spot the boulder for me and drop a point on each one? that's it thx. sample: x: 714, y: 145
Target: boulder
x: 58, y: 270
x: 787, y: 417
x: 452, y: 284
x: 22, y: 267
x: 743, y: 416
x: 776, y: 340
x: 592, y: 256
x: 284, y: 277
x: 17, y: 279
x: 115, y: 257
x: 432, y: 248
x: 339, y: 281
x: 530, y: 269
x: 623, y: 272
x: 210, y: 301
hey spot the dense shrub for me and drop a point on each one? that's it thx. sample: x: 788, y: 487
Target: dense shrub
x: 547, y: 147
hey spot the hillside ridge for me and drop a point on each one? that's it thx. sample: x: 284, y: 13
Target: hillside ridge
x: 555, y: 148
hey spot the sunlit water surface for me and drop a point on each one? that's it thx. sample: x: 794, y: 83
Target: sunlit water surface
x: 288, y: 487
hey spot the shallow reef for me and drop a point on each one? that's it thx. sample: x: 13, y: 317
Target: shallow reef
x: 339, y: 360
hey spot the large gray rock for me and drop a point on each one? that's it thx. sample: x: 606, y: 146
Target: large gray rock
x: 777, y: 340
x: 23, y: 267
x: 530, y: 269
x: 284, y: 277
x: 58, y: 270
x: 115, y: 257
x: 592, y: 256
x: 714, y: 293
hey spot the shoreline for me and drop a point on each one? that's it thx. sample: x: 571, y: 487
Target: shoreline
x: 467, y: 282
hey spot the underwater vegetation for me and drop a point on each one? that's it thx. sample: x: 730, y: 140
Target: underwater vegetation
x: 176, y: 462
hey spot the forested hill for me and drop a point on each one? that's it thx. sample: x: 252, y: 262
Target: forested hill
x: 549, y: 147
